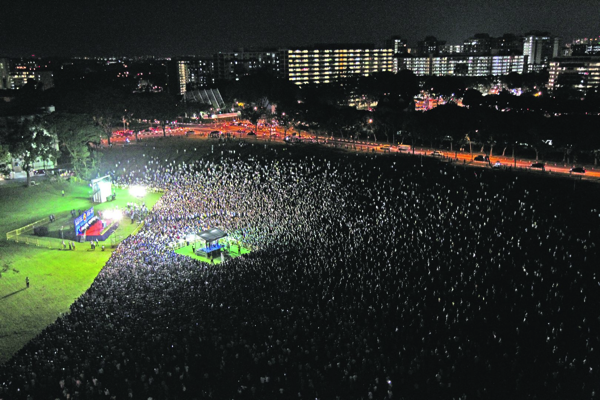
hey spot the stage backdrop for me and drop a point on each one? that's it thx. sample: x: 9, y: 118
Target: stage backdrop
x: 82, y: 220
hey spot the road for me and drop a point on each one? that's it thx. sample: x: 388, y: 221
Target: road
x: 278, y: 134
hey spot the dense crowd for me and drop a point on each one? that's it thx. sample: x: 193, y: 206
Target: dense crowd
x: 369, y: 279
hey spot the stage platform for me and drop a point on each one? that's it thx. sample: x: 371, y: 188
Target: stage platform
x: 233, y: 253
x: 213, y: 250
x: 95, y: 232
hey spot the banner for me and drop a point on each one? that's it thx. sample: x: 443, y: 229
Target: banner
x: 82, y: 222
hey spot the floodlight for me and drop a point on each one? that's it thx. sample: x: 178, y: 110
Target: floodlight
x: 137, y: 191
x: 113, y: 215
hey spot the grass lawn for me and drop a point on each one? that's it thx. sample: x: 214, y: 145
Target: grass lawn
x: 56, y: 277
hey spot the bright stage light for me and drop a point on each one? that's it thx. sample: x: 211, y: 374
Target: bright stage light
x: 113, y: 215
x: 137, y: 191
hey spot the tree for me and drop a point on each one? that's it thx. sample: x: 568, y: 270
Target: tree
x: 28, y: 140
x: 253, y: 114
x: 189, y: 108
x: 343, y: 121
x: 155, y: 106
x: 414, y: 126
x: 472, y: 98
x: 75, y: 133
x: 105, y: 104
x: 4, y: 160
x: 445, y: 85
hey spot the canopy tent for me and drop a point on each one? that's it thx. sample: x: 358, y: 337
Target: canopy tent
x: 210, y: 235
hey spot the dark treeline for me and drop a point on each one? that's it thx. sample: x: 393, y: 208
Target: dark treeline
x: 560, y: 127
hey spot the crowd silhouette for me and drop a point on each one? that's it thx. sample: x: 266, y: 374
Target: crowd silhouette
x: 369, y: 279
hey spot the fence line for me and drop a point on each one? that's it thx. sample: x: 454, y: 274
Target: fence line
x: 27, y: 228
x: 47, y: 242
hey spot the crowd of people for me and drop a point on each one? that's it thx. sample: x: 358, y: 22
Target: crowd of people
x: 370, y: 278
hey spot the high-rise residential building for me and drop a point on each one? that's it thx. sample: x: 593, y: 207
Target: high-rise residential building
x: 189, y: 73
x: 464, y: 65
x: 480, y: 44
x: 16, y: 73
x: 430, y: 46
x: 507, y: 44
x: 540, y: 48
x: 575, y: 72
x: 328, y: 63
x: 397, y: 44
x: 235, y: 64
x: 452, y: 49
x: 399, y: 47
x: 585, y: 46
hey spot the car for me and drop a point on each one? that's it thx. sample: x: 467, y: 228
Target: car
x: 251, y: 133
x: 189, y: 133
x: 385, y: 147
x: 538, y: 165
x: 480, y: 158
x: 437, y: 153
x: 579, y: 170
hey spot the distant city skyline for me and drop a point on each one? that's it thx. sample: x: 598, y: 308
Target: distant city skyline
x: 177, y: 28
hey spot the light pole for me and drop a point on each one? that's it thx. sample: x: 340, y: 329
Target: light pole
x: 470, y: 146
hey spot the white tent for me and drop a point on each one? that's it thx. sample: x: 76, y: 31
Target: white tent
x: 102, y: 189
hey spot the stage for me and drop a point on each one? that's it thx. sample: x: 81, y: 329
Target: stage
x: 234, y: 251
x: 97, y: 232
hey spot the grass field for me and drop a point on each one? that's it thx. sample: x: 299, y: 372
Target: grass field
x: 56, y: 277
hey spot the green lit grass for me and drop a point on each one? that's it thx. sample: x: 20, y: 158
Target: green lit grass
x: 57, y: 277
x: 187, y: 251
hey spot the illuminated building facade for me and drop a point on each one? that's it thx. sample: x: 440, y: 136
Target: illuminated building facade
x: 189, y: 73
x: 15, y: 73
x: 540, y: 48
x: 329, y: 63
x: 464, y: 65
x: 480, y: 44
x: 576, y: 72
x: 585, y: 47
x: 235, y: 64
x: 431, y: 46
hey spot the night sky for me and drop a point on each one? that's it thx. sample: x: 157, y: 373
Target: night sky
x: 177, y: 27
